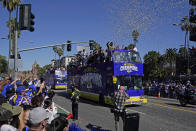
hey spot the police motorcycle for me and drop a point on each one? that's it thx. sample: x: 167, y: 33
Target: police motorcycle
x: 188, y: 97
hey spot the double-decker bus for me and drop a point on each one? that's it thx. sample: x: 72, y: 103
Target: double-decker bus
x: 98, y: 82
x: 57, y: 79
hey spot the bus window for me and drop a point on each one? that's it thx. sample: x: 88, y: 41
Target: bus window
x: 64, y: 80
x: 125, y: 81
x: 58, y: 81
x: 137, y: 82
x: 122, y: 56
x: 135, y: 57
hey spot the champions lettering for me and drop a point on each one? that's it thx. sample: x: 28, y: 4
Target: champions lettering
x: 128, y: 68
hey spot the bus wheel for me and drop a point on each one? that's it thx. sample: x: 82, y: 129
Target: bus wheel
x: 101, y: 99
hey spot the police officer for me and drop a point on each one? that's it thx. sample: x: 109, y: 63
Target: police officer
x: 75, y: 99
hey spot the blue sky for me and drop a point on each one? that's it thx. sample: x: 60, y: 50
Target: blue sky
x: 100, y: 20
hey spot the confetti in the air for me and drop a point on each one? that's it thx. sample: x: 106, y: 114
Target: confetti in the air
x: 143, y: 15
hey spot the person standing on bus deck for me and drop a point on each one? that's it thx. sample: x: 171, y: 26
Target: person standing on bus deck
x: 119, y: 105
x: 75, y: 99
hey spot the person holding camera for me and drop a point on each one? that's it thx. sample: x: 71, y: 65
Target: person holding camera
x: 119, y: 105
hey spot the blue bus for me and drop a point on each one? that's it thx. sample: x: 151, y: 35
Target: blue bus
x: 98, y: 82
x: 57, y: 79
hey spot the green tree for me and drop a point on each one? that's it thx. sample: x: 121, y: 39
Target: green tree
x: 11, y: 5
x: 135, y: 35
x: 63, y: 48
x: 3, y: 64
x: 42, y: 70
x: 96, y: 45
x: 55, y: 50
x: 182, y: 52
x: 170, y: 57
x: 153, y: 66
x: 12, y: 24
x: 131, y: 46
x: 60, y: 52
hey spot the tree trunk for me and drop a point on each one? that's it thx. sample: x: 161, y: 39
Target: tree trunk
x: 9, y: 42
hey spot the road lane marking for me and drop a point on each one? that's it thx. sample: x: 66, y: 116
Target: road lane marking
x: 62, y: 108
x: 136, y: 111
x: 172, y: 108
x: 171, y: 102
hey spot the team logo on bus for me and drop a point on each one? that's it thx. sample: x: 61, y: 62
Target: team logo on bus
x: 128, y: 67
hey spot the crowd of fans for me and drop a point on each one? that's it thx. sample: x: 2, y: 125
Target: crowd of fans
x: 98, y: 55
x: 167, y: 89
x: 28, y: 106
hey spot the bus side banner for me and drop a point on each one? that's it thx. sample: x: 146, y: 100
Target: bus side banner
x: 128, y: 69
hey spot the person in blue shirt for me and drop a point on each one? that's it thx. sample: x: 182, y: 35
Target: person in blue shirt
x: 9, y: 87
x: 20, y: 97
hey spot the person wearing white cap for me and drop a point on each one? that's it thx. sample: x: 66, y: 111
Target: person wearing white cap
x: 38, y: 119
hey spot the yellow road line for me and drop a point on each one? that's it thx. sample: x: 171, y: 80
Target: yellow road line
x: 172, y: 108
x: 170, y: 102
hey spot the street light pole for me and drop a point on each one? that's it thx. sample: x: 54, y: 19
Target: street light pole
x: 188, y: 58
x: 16, y: 46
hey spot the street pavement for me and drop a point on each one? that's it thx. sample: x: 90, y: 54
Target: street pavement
x: 159, y: 114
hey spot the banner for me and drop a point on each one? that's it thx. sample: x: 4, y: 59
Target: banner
x: 18, y: 63
x: 128, y: 69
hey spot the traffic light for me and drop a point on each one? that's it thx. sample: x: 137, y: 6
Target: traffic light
x: 68, y: 45
x: 192, y: 17
x: 31, y: 24
x: 13, y: 56
x: 91, y: 44
x: 192, y: 2
x: 26, y: 18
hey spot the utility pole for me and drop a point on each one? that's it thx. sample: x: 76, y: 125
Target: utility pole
x: 16, y: 47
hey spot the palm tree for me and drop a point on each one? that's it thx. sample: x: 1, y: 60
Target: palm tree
x: 12, y: 25
x: 63, y: 48
x: 11, y: 5
x: 55, y: 50
x: 131, y: 46
x: 185, y: 26
x: 170, y: 57
x: 135, y: 35
x: 60, y: 53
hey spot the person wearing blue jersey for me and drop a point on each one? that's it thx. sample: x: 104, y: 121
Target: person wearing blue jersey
x: 20, y: 97
x: 8, y: 87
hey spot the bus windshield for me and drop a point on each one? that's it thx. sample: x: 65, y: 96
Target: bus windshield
x: 126, y: 56
x: 130, y: 82
x: 61, y: 80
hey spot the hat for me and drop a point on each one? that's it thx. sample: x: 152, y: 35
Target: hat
x: 37, y: 115
x: 20, y: 89
x: 16, y: 110
x: 18, y: 83
x: 5, y: 114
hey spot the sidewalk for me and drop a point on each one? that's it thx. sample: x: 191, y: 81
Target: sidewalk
x: 78, y: 123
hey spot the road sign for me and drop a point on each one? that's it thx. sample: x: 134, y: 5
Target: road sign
x: 18, y: 63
